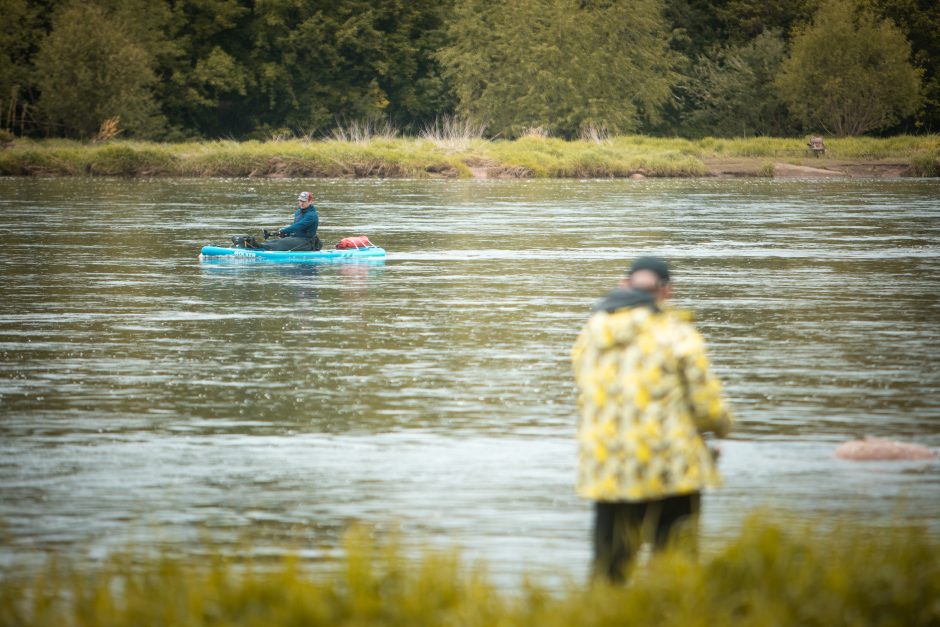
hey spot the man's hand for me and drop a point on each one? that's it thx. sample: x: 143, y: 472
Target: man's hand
x: 715, y: 451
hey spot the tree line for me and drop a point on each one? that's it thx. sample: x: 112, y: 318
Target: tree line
x: 184, y: 69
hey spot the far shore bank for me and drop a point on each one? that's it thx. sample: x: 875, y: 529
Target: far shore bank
x: 472, y: 157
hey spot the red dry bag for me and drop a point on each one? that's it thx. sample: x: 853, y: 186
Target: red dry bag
x: 354, y: 242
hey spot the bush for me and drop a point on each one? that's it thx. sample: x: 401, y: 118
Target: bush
x: 926, y: 165
x: 766, y: 169
x: 125, y: 160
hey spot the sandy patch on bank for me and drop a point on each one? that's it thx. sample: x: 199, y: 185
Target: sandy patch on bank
x: 788, y: 170
x: 809, y: 168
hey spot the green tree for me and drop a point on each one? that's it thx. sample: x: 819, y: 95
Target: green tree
x: 563, y: 65
x: 743, y: 20
x: 240, y: 68
x: 88, y: 69
x: 205, y: 74
x: 413, y: 76
x: 920, y: 21
x: 198, y: 50
x: 695, y: 26
x: 13, y: 69
x: 704, y: 26
x: 714, y: 36
x: 733, y: 92
x: 849, y: 72
x: 21, y: 30
x: 349, y: 59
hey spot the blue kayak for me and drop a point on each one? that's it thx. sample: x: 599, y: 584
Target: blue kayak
x: 331, y: 254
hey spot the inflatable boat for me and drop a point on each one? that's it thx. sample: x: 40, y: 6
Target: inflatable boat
x: 331, y: 254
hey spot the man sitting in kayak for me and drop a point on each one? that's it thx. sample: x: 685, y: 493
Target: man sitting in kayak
x: 302, y: 234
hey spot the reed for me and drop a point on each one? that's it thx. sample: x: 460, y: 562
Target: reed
x: 772, y: 573
x: 594, y: 133
x: 110, y: 128
x: 364, y: 131
x: 453, y: 134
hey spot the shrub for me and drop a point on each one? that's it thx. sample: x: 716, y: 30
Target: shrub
x: 766, y: 169
x: 926, y: 165
x: 125, y: 160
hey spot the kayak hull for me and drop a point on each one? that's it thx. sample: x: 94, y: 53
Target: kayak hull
x: 333, y: 254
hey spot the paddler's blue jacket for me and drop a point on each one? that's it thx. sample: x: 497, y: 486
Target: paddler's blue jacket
x: 305, y: 223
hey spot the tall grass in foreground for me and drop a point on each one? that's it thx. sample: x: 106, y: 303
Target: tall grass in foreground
x: 770, y: 575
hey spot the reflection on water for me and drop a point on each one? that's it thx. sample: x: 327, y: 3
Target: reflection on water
x: 305, y: 279
x: 146, y: 396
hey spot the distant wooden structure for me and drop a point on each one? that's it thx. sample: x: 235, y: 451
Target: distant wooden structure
x: 817, y: 146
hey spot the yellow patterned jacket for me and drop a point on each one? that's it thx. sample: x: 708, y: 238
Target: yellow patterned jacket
x: 645, y: 394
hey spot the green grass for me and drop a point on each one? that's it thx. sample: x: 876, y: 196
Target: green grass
x: 766, y: 169
x: 771, y: 574
x: 902, y: 147
x: 618, y: 157
x: 448, y: 149
x: 926, y: 164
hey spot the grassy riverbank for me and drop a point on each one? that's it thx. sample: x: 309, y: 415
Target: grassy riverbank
x: 471, y: 156
x: 772, y: 574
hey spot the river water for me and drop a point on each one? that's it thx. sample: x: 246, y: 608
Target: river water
x: 150, y: 399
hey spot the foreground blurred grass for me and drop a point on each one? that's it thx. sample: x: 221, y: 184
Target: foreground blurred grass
x: 414, y: 157
x: 772, y: 574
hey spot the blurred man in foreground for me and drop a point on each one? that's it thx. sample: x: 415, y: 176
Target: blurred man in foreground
x: 646, y: 395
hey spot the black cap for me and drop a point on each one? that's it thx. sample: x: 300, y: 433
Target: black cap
x: 653, y: 264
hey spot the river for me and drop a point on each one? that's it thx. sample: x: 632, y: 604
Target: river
x: 148, y: 399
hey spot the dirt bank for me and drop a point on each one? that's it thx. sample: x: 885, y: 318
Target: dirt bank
x: 806, y: 168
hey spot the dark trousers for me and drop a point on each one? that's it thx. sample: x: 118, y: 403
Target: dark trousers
x: 291, y: 243
x: 620, y: 527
